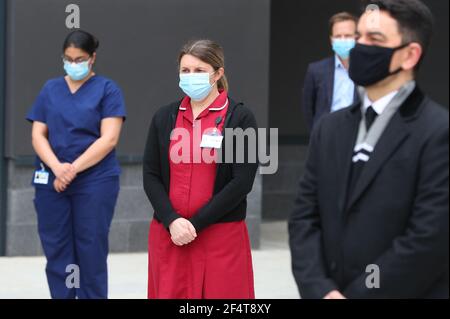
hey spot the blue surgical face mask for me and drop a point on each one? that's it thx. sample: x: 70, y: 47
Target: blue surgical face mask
x: 77, y: 71
x: 342, y: 47
x: 196, y: 85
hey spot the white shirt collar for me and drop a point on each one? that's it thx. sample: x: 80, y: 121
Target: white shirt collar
x: 380, y: 105
x: 182, y: 108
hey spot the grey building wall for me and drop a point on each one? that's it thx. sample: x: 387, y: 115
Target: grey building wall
x: 139, y: 44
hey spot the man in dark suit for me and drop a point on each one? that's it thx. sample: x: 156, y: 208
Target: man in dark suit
x: 371, y: 217
x: 328, y: 87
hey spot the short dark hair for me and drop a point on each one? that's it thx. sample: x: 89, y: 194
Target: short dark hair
x: 414, y: 18
x: 341, y: 17
x: 81, y: 40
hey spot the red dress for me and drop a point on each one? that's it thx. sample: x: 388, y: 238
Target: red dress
x: 218, y: 263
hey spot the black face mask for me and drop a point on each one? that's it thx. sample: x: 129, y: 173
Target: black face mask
x: 371, y: 64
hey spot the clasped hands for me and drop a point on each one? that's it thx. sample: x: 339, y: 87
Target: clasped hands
x: 182, y: 232
x: 65, y: 174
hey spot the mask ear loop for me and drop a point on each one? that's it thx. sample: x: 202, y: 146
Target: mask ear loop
x: 212, y: 85
x: 400, y: 69
x: 402, y: 46
x: 91, y: 62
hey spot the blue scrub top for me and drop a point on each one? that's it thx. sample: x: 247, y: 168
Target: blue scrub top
x: 74, y: 121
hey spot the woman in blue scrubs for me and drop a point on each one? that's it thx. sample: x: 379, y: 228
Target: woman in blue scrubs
x: 77, y: 120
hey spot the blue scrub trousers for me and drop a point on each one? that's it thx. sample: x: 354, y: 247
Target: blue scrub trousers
x: 74, y: 228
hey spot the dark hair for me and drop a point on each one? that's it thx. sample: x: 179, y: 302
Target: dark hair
x: 341, y: 17
x: 209, y: 52
x: 81, y: 40
x: 414, y: 18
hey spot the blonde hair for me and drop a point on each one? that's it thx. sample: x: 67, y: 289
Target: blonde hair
x: 209, y: 52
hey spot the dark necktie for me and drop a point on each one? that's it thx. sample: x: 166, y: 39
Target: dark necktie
x: 358, y: 166
x: 370, y: 116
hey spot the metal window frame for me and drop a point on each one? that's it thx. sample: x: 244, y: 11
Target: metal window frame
x: 3, y: 172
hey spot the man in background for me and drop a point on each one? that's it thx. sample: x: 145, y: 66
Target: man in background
x: 328, y: 87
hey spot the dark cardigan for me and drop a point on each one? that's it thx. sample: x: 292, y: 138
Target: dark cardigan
x: 233, y: 180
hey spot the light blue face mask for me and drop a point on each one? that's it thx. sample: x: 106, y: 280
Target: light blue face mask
x: 196, y: 85
x: 77, y: 71
x: 342, y: 47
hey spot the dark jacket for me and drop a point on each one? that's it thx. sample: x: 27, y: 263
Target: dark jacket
x: 396, y: 217
x: 318, y: 90
x: 233, y: 180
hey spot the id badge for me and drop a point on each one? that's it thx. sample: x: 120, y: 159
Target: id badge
x: 41, y: 177
x: 212, y: 140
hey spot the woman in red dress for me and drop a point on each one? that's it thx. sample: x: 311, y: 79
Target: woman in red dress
x: 198, y: 243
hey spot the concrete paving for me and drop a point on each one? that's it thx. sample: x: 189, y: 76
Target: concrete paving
x: 24, y: 278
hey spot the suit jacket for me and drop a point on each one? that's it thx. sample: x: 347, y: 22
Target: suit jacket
x: 318, y: 90
x: 396, y: 217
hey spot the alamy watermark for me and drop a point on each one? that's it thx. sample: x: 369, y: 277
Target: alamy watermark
x: 73, y: 20
x: 373, y: 21
x: 73, y: 277
x: 373, y: 277
x: 239, y: 146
